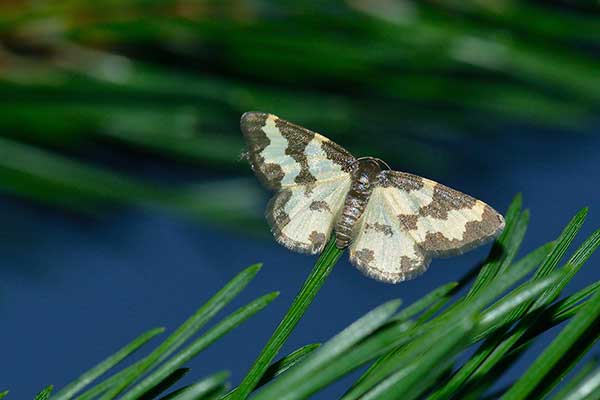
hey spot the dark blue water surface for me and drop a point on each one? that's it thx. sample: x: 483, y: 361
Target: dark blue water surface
x: 73, y: 289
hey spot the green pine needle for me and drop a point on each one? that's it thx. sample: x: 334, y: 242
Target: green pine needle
x: 283, y: 364
x: 561, y: 345
x: 565, y: 306
x: 89, y: 376
x: 502, y: 313
x: 287, y: 362
x: 440, y: 325
x: 581, y: 375
x: 492, y: 351
x: 503, y: 310
x: 208, y: 388
x: 223, y: 327
x: 584, y: 386
x: 386, y: 338
x: 303, y: 299
x: 174, y: 341
x: 295, y: 385
x: 507, y: 342
x: 411, y: 381
x: 441, y: 293
x: 44, y: 394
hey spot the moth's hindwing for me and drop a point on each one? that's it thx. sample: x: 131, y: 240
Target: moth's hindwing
x: 302, y: 217
x: 381, y: 247
x: 283, y: 154
x: 442, y: 221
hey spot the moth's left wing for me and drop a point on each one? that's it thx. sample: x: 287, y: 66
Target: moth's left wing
x: 283, y: 154
x: 441, y: 220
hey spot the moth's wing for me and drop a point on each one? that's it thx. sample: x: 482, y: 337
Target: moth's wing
x: 311, y: 172
x: 441, y: 220
x: 381, y: 248
x: 302, y: 217
x: 283, y: 154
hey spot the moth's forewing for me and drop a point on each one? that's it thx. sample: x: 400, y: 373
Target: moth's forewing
x: 283, y: 154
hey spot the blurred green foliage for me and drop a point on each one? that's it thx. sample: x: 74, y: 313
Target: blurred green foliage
x: 131, y: 101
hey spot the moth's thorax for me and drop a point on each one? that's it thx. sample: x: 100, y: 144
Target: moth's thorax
x: 366, y: 170
x: 364, y: 176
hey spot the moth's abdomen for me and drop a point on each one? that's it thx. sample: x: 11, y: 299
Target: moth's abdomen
x: 354, y: 206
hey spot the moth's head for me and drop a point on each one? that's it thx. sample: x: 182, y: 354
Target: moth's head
x: 367, y: 168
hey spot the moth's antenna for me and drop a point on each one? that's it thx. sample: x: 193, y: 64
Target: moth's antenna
x: 354, y: 162
x: 379, y: 160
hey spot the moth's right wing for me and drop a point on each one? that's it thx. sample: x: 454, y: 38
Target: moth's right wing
x: 410, y: 219
x: 283, y: 154
x: 302, y: 218
x: 442, y: 221
x: 310, y: 172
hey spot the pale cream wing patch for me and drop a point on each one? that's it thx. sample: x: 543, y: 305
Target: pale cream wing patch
x: 381, y: 248
x: 302, y: 218
x: 283, y: 154
x: 441, y: 220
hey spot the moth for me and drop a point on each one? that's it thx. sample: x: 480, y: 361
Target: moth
x: 393, y: 222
